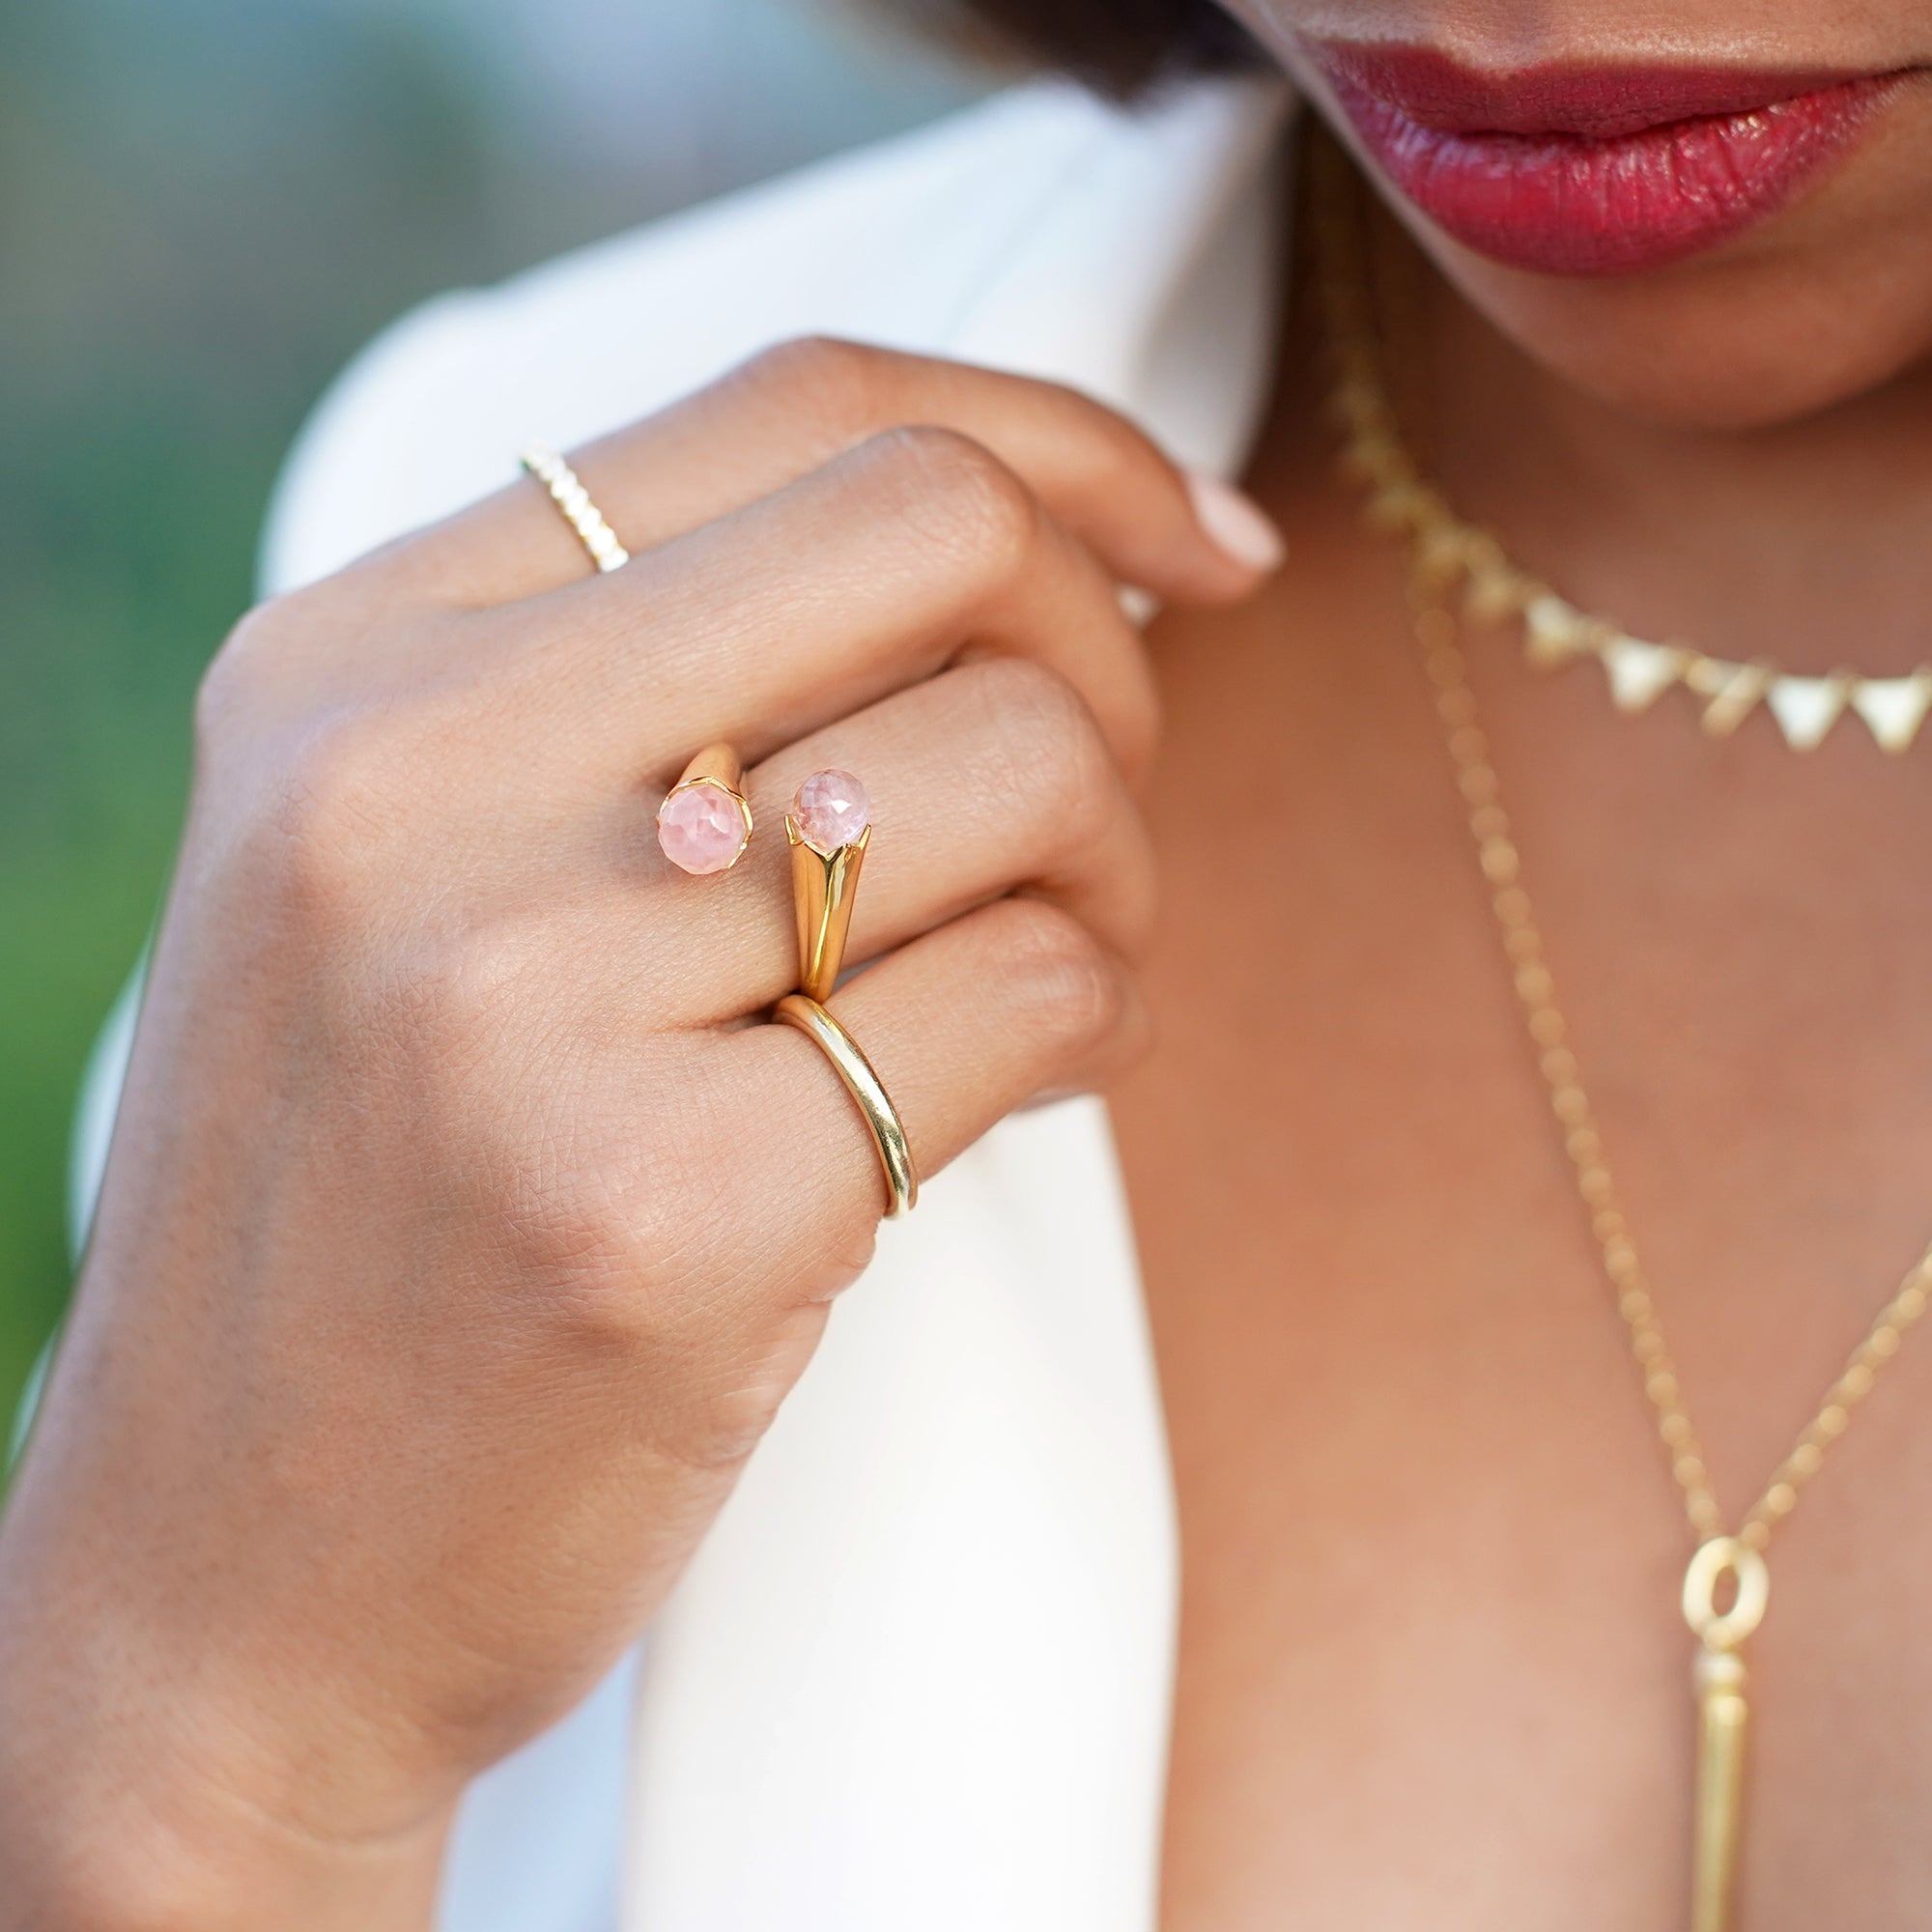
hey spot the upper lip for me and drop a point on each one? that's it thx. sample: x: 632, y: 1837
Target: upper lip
x: 1589, y: 101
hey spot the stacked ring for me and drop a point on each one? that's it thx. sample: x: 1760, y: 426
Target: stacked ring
x: 864, y: 1086
x: 567, y: 492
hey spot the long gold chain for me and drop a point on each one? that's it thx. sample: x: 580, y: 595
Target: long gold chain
x: 1454, y: 573
x: 1436, y: 632
x: 1447, y: 565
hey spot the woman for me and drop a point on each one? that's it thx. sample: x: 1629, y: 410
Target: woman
x: 464, y: 1230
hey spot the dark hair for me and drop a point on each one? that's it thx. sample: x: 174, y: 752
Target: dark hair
x: 1117, y: 45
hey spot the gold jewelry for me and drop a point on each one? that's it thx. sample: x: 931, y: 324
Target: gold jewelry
x: 866, y: 1086
x: 1439, y: 565
x: 1555, y: 633
x: 568, y: 493
x: 829, y: 828
x: 705, y: 823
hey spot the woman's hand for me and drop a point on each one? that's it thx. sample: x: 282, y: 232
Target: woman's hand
x: 460, y: 1239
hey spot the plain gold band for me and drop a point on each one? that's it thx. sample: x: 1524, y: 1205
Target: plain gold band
x: 866, y: 1086
x: 567, y: 492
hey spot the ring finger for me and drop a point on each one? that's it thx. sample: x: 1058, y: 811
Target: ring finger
x: 989, y: 779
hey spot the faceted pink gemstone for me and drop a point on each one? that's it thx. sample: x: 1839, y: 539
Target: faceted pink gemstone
x: 701, y: 828
x: 830, y: 810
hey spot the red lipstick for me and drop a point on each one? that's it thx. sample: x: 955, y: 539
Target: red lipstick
x: 1573, y: 170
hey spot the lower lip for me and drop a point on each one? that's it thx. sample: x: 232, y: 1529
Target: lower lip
x: 1569, y: 203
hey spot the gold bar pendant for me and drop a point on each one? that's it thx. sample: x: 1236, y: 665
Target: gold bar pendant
x: 1723, y: 1717
x: 1722, y: 1720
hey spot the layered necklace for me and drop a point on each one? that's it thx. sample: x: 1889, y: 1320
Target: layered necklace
x: 1458, y: 574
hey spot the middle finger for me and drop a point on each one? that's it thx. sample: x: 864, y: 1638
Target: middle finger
x: 867, y: 575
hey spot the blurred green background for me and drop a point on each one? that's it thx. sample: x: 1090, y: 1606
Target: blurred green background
x: 205, y: 207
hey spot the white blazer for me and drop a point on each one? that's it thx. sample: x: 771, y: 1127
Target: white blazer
x: 918, y: 1678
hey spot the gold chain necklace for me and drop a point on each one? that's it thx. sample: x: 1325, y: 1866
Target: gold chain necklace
x: 1449, y: 564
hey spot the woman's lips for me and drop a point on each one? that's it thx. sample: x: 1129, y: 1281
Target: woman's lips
x: 1595, y: 171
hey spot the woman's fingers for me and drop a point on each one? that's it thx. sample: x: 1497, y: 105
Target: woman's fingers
x: 867, y: 575
x: 766, y: 596
x: 412, y: 962
x: 801, y: 405
x: 991, y: 778
x: 962, y: 1026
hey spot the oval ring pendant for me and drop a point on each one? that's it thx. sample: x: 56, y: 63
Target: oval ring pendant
x: 1721, y: 1556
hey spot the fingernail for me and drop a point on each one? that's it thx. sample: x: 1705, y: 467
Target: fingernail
x: 1234, y: 523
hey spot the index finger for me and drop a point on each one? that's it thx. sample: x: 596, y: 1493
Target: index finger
x: 1182, y: 536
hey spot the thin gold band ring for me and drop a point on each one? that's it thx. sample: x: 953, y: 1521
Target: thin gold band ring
x: 866, y: 1088
x: 567, y: 492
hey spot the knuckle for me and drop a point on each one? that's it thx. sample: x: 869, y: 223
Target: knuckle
x: 584, y: 1264
x: 1048, y: 747
x: 312, y: 778
x: 1059, y: 973
x: 458, y: 993
x: 287, y: 651
x: 1100, y: 445
x: 614, y: 1220
x: 611, y: 1267
x: 326, y: 816
x: 959, y: 502
x: 584, y: 1242
x: 1032, y: 701
x: 833, y: 379
x: 233, y: 684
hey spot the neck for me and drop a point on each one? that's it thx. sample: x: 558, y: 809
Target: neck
x: 1803, y: 543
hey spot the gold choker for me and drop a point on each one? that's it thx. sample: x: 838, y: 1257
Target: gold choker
x: 1495, y: 590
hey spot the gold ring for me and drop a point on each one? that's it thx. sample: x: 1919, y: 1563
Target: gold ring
x: 866, y: 1086
x: 568, y: 493
x: 705, y: 823
x: 828, y: 826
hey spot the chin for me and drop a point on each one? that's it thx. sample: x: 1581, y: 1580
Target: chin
x: 1768, y: 336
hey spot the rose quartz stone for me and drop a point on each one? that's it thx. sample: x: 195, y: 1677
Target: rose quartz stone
x: 830, y: 810
x: 701, y: 828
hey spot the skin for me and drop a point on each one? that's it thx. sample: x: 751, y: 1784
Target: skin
x: 1432, y: 1667
x: 434, y: 1172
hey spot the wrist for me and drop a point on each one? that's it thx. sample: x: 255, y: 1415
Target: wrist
x: 91, y: 1846
x: 158, y: 1774
x: 128, y: 1803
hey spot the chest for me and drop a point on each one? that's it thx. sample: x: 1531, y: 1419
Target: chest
x: 1433, y: 1668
